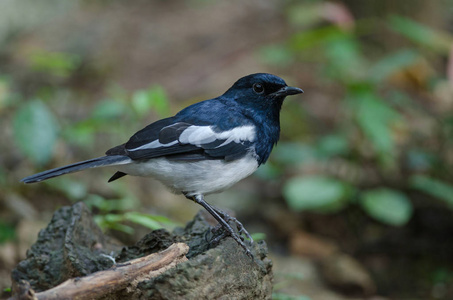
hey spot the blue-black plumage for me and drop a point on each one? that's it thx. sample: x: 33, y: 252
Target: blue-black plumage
x: 206, y: 147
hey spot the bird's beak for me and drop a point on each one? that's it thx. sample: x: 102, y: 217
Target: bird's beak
x: 287, y: 91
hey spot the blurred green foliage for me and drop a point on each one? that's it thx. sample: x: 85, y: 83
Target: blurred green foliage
x: 317, y: 193
x: 132, y: 109
x: 38, y: 131
x: 389, y: 206
x: 378, y: 154
x: 116, y: 221
x: 54, y: 63
x: 35, y: 131
x: 435, y: 40
x: 7, y: 232
x: 434, y: 187
x: 258, y: 236
x: 372, y: 158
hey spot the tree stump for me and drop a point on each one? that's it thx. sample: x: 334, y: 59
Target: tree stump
x: 73, y: 259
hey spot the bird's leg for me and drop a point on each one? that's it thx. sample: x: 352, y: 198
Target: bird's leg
x: 200, y: 200
x: 229, y: 218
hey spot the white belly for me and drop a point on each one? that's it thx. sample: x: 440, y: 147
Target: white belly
x: 198, y: 177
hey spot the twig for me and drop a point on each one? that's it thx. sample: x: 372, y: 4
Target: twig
x: 123, y: 276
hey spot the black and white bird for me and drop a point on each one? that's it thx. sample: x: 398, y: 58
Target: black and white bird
x: 205, y: 148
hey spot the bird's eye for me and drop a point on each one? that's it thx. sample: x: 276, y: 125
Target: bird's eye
x: 258, y: 88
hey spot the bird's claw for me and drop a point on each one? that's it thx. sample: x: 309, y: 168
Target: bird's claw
x: 241, y: 229
x: 238, y: 237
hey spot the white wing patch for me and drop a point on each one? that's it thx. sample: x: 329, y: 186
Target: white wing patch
x: 199, y: 135
x: 153, y: 144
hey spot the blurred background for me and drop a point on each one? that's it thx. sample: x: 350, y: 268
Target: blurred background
x: 356, y: 201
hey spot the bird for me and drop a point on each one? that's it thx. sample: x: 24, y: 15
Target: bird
x: 203, y: 149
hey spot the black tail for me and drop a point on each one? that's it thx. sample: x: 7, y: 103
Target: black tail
x: 104, y: 161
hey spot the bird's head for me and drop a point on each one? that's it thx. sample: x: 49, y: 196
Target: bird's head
x: 261, y: 91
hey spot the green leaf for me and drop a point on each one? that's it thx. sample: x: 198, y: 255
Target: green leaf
x: 55, y: 63
x: 5, y: 93
x: 332, y: 145
x: 258, y: 236
x: 112, y: 221
x: 164, y: 220
x: 316, y: 193
x: 7, y: 232
x: 437, y: 40
x: 277, y: 55
x: 375, y: 118
x: 73, y: 189
x: 120, y: 227
x: 35, y: 131
x: 146, y: 220
x: 392, y: 63
x: 114, y: 218
x: 345, y: 60
x: 109, y: 205
x: 108, y: 109
x: 154, y: 97
x: 81, y: 133
x: 268, y: 171
x: 387, y: 206
x: 294, y: 153
x: 316, y: 37
x: 434, y: 187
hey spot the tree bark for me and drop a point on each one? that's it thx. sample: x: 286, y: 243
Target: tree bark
x: 70, y: 261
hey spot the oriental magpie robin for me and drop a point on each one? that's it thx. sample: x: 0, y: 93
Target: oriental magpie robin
x: 205, y: 148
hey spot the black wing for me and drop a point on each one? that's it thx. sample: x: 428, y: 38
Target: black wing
x: 185, y: 141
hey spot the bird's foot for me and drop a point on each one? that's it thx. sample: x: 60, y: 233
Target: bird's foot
x: 221, y: 232
x: 241, y: 229
x: 223, y: 219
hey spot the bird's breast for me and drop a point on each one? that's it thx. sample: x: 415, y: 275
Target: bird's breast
x: 194, y: 177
